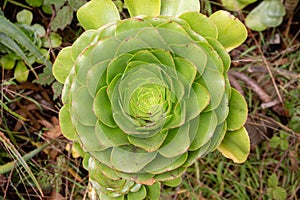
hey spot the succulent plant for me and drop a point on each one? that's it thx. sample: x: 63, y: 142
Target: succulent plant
x: 147, y: 96
x: 269, y: 13
x: 236, y: 4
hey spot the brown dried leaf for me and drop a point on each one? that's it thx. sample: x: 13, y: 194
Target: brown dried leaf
x: 56, y: 196
x: 53, y: 127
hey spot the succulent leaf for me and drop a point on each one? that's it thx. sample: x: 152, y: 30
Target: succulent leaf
x: 268, y: 13
x: 97, y: 13
x: 236, y: 4
x: 201, y: 24
x: 231, y: 32
x: 177, y: 7
x: 237, y: 107
x: 66, y: 123
x: 143, y: 7
x: 236, y: 145
x: 63, y: 64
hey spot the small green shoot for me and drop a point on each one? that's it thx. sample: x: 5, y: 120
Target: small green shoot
x: 274, y: 191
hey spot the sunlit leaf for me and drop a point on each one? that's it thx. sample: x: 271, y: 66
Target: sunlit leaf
x: 97, y: 13
x: 235, y: 145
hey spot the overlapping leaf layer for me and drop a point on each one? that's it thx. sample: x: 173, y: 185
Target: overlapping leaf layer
x: 146, y: 97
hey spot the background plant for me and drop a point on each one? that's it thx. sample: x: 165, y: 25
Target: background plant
x: 21, y: 43
x: 211, y: 177
x: 269, y: 13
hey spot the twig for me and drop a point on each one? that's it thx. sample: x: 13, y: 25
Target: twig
x: 282, y: 72
x: 267, y: 66
x: 253, y: 85
x: 234, y: 83
x: 264, y: 97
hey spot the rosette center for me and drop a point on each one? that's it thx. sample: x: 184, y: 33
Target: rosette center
x: 147, y: 103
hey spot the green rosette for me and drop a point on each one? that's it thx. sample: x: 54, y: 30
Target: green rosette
x: 145, y: 97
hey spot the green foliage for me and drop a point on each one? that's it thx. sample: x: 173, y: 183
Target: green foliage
x: 21, y: 44
x: 141, y: 103
x: 24, y: 17
x: 64, y: 12
x: 274, y: 191
x: 7, y: 62
x: 89, y: 14
x: 21, y: 72
x: 268, y: 13
x: 34, y: 3
x: 45, y: 78
x: 19, y: 160
x: 143, y: 7
x: 236, y: 4
x: 293, y: 106
x: 281, y: 141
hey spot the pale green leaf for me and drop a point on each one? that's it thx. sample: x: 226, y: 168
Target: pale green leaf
x: 174, y: 182
x: 7, y: 62
x: 55, y: 40
x: 236, y: 4
x: 141, y: 194
x: 162, y: 164
x: 102, y: 108
x: 277, y: 193
x: 63, y: 64
x: 200, y: 24
x: 97, y: 13
x: 56, y: 88
x: 66, y: 125
x: 110, y: 137
x: 153, y: 191
x: 84, y: 40
x: 88, y: 138
x: 143, y: 7
x: 219, y: 48
x: 238, y: 111
x: 106, y: 197
x: 272, y: 180
x: 216, y: 90
x: 253, y: 19
x: 185, y: 69
x: 76, y: 4
x: 177, y: 142
x: 170, y: 174
x: 62, y: 19
x: 222, y: 110
x: 21, y: 72
x: 268, y: 13
x: 205, y: 130
x: 150, y: 144
x: 192, y: 53
x: 177, y: 7
x: 231, y: 32
x: 39, y: 29
x: 129, y: 160
x: 24, y: 17
x: 275, y: 141
x: 197, y: 101
x: 235, y: 145
x: 82, y: 106
x: 217, y: 138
